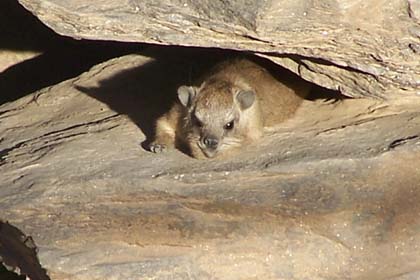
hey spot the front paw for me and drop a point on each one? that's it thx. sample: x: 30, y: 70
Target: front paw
x: 157, y: 148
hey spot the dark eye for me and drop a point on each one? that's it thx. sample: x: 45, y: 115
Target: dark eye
x: 229, y: 125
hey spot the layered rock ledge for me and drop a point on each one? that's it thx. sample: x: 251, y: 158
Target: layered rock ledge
x: 363, y: 48
x: 331, y: 194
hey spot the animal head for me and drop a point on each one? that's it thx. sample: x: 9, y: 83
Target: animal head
x: 215, y: 115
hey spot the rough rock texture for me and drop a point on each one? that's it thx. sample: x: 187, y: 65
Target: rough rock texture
x: 363, y: 48
x: 333, y: 193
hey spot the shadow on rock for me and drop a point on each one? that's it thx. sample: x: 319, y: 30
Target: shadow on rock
x: 55, y: 66
x: 146, y: 92
x: 18, y: 252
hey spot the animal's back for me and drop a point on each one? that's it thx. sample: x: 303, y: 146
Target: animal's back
x: 277, y: 100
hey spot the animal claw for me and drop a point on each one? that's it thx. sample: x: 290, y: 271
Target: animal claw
x: 157, y: 148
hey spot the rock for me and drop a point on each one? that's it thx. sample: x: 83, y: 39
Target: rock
x: 333, y: 193
x: 363, y: 49
x: 32, y: 56
x: 21, y: 38
x: 9, y: 58
x: 18, y: 253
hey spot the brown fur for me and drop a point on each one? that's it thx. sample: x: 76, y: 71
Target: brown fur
x: 199, y: 123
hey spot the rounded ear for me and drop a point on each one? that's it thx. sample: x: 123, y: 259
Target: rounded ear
x: 186, y: 95
x: 245, y: 98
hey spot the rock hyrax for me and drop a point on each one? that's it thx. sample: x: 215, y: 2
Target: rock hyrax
x: 229, y: 107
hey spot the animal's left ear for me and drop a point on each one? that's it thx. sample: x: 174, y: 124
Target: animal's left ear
x: 186, y: 95
x: 245, y: 99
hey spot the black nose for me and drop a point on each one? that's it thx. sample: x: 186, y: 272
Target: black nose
x: 210, y: 142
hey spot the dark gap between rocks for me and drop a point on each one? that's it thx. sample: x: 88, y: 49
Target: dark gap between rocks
x: 63, y: 58
x: 8, y: 275
x: 146, y: 92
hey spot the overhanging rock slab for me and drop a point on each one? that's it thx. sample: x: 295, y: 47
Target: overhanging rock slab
x: 362, y: 48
